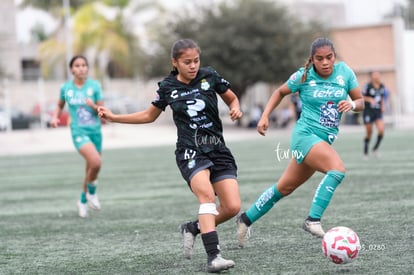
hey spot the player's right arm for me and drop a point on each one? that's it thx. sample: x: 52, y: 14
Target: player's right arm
x: 273, y: 102
x: 147, y: 116
x: 54, y: 122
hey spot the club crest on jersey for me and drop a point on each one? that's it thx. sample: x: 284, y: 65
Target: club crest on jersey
x: 329, y: 116
x: 340, y: 80
x: 89, y: 92
x: 205, y: 85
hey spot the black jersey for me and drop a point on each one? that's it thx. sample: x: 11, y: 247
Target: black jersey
x: 377, y: 94
x: 195, y: 108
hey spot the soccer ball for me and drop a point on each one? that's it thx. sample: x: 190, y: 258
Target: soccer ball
x: 340, y: 245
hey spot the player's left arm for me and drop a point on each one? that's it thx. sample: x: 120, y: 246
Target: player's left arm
x: 356, y: 104
x: 94, y: 105
x: 230, y: 98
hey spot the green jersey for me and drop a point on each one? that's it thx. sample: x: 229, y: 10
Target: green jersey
x: 320, y: 97
x: 82, y: 116
x: 195, y: 109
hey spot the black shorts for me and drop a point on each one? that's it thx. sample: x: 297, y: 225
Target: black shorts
x: 371, y: 115
x: 220, y: 162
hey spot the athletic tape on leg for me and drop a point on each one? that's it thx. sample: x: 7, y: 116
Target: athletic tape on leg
x: 208, y: 208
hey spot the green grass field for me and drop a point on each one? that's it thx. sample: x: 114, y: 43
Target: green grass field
x: 144, y: 200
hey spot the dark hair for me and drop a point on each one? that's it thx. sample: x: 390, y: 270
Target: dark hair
x: 180, y: 46
x: 76, y: 57
x: 316, y: 44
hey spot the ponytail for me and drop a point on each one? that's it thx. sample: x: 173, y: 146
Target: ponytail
x: 307, y: 66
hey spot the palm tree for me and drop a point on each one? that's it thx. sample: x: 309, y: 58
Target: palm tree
x: 100, y: 30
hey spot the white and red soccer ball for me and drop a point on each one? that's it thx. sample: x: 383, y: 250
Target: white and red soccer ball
x: 341, y: 245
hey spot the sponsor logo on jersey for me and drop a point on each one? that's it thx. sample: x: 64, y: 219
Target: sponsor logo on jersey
x: 329, y: 116
x: 193, y: 91
x: 191, y: 163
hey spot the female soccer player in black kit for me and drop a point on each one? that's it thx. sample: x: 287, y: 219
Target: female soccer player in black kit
x: 374, y: 96
x: 202, y: 156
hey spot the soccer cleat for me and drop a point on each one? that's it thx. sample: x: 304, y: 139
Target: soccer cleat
x: 93, y: 201
x: 219, y: 264
x: 376, y: 154
x: 313, y: 227
x: 82, y: 209
x: 188, y: 240
x: 243, y: 231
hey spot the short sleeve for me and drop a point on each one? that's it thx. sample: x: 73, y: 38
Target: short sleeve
x: 222, y: 85
x: 353, y: 81
x: 62, y: 92
x: 294, y: 82
x: 159, y: 100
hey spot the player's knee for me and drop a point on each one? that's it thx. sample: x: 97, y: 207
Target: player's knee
x: 231, y: 209
x: 95, y: 164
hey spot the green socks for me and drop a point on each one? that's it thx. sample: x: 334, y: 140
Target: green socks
x: 83, y: 198
x: 324, y: 193
x: 263, y: 204
x: 91, y: 190
x: 92, y: 187
x: 321, y: 200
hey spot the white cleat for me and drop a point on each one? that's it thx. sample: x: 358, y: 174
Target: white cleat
x: 82, y: 209
x: 93, y: 201
x: 188, y: 240
x: 376, y: 154
x: 314, y: 227
x: 219, y: 264
x: 243, y: 231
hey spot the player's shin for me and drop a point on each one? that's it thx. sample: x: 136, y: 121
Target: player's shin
x: 263, y: 204
x: 324, y: 193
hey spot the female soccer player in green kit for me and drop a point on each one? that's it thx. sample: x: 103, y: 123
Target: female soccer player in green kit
x: 323, y: 88
x: 83, y: 96
x: 202, y: 156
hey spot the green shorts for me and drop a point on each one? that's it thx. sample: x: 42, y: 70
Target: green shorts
x: 81, y: 137
x: 303, y: 138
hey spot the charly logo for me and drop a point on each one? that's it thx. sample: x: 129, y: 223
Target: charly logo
x: 283, y: 154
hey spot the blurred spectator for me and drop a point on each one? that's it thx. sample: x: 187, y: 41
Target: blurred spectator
x: 18, y: 119
x: 374, y: 93
x: 255, y: 115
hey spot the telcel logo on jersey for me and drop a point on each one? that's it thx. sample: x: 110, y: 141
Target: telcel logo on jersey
x: 328, y: 93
